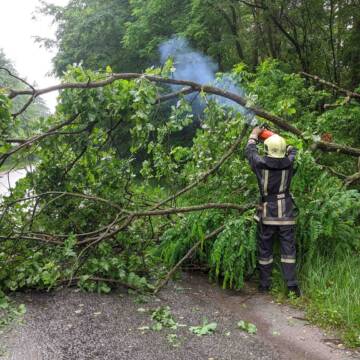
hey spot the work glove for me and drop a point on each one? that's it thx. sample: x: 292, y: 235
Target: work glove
x: 255, y: 133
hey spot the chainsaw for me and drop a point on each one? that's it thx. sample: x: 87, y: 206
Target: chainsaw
x: 266, y: 132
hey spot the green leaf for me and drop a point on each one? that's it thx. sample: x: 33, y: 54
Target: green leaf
x: 204, y: 329
x: 247, y: 326
x: 157, y: 326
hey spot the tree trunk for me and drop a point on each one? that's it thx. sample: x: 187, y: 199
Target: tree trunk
x: 234, y: 30
x: 331, y: 29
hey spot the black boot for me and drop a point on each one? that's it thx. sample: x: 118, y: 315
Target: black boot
x: 295, y: 290
x: 264, y: 289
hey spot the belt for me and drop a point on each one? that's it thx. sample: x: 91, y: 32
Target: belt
x: 275, y: 197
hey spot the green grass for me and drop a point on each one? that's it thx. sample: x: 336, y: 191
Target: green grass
x: 332, y: 290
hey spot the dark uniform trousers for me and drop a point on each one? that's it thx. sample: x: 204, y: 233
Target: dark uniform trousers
x: 276, y: 213
x: 267, y: 234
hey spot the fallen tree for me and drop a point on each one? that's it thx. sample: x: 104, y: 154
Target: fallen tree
x: 80, y: 225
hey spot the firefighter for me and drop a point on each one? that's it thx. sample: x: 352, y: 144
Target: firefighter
x: 276, y: 212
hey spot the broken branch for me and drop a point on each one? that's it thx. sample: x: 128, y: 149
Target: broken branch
x: 335, y: 87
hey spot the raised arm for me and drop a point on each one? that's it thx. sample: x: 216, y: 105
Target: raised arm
x: 291, y: 153
x: 251, y: 151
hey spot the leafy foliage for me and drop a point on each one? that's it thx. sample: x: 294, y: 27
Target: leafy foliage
x: 97, y: 25
x: 9, y: 311
x: 204, y: 329
x: 124, y: 154
x: 247, y: 326
x: 163, y: 318
x: 233, y: 253
x: 27, y: 122
x: 314, y: 36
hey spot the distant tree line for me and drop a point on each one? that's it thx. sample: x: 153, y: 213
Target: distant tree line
x: 317, y: 36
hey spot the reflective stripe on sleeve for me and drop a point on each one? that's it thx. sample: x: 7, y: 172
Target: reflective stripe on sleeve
x: 282, y: 184
x: 265, y: 209
x: 266, y: 181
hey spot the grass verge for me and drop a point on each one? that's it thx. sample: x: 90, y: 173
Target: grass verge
x: 331, y: 289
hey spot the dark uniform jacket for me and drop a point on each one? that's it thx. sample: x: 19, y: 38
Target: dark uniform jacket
x: 274, y: 178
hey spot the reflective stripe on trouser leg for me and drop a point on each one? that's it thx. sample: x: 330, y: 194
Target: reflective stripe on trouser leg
x: 288, y: 253
x: 266, y: 261
x: 265, y: 247
x: 288, y: 259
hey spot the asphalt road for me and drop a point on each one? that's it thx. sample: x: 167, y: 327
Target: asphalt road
x: 68, y: 324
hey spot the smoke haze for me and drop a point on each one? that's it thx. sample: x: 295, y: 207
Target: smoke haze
x: 189, y: 64
x: 192, y: 65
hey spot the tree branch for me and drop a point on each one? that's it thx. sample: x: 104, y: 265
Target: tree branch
x: 64, y: 193
x: 226, y: 156
x: 23, y: 109
x: 333, y: 147
x: 352, y: 179
x: 170, y: 211
x: 335, y: 87
x: 175, y: 94
x: 280, y: 122
x: 131, y: 216
x: 135, y: 215
x: 18, y: 78
x: 27, y: 142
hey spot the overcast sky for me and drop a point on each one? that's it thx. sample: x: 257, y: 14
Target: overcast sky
x: 17, y: 29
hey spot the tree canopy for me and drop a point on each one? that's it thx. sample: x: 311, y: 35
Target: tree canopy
x: 319, y: 37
